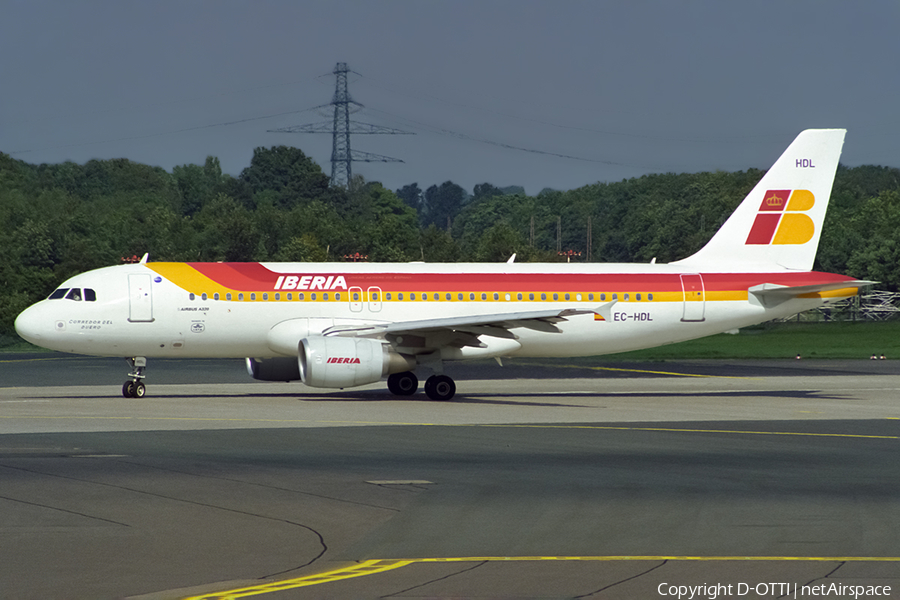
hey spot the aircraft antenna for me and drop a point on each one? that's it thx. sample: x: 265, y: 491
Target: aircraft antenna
x: 340, y: 128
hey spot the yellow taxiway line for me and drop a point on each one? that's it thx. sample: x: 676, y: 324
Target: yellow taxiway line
x: 371, y: 567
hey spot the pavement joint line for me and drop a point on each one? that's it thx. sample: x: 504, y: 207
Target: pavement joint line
x: 652, y: 372
x: 497, y: 425
x: 374, y: 566
x: 679, y: 430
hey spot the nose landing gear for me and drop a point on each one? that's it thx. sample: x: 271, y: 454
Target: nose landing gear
x: 135, y: 387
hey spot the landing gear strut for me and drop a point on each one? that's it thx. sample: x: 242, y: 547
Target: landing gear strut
x: 439, y: 387
x: 134, y: 388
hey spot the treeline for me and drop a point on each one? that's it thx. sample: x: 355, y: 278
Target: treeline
x: 62, y: 219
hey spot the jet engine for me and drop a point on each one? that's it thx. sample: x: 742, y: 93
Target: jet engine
x: 339, y: 362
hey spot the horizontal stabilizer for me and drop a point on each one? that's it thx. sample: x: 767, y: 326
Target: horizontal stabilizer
x: 774, y: 289
x: 772, y: 294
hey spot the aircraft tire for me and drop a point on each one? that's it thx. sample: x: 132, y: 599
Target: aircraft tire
x: 440, y: 387
x: 403, y: 384
x: 128, y: 389
x: 140, y: 390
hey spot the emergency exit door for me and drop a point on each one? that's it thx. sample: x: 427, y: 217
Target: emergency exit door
x: 694, y: 298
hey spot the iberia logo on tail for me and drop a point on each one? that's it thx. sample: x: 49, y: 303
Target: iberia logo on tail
x: 781, y: 218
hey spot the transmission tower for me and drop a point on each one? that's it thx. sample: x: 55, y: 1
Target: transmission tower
x: 340, y: 129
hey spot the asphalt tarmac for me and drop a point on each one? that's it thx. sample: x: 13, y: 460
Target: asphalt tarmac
x: 541, y: 479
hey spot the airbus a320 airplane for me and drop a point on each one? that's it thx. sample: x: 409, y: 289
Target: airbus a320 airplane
x: 339, y: 325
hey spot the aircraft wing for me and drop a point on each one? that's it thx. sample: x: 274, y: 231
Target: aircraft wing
x: 465, y: 331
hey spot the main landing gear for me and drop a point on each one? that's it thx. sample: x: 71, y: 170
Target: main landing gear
x: 135, y: 388
x: 437, y: 387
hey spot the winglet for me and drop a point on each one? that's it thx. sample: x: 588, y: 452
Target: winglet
x: 604, y: 312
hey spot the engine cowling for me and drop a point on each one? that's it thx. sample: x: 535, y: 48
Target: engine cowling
x: 339, y: 362
x: 274, y: 369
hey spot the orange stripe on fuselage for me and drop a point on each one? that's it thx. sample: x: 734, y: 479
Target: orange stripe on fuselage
x: 222, y: 278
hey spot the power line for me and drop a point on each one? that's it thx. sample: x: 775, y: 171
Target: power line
x: 463, y: 136
x: 397, y: 87
x: 162, y: 133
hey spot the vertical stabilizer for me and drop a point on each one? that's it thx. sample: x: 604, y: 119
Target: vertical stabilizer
x: 780, y: 221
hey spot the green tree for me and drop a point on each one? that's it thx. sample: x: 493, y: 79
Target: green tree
x: 442, y: 204
x: 287, y: 171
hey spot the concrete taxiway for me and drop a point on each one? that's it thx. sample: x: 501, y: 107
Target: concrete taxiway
x: 588, y: 480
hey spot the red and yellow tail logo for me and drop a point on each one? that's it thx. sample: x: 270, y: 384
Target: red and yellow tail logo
x: 780, y: 219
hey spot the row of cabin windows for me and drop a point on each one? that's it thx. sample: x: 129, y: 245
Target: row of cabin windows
x: 355, y: 296
x: 76, y: 294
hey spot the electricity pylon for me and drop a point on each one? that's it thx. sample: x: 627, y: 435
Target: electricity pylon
x: 340, y: 129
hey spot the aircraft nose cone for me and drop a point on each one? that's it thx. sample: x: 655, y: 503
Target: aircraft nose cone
x: 28, y: 326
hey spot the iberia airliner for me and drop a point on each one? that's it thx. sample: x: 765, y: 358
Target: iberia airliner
x: 338, y: 325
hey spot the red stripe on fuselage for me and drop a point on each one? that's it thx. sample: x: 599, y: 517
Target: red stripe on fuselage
x: 256, y: 277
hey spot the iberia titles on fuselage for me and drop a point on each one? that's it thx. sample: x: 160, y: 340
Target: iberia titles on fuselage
x: 345, y: 324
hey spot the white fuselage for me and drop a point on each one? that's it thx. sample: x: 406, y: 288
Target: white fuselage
x: 180, y: 310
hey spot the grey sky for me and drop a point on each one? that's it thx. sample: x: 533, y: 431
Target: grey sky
x: 624, y: 88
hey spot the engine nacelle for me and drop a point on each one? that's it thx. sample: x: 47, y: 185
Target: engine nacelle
x: 339, y: 362
x: 274, y: 369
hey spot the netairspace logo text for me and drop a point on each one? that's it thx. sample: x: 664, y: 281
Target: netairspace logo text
x: 775, y: 590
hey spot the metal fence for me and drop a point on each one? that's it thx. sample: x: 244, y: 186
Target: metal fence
x: 872, y: 306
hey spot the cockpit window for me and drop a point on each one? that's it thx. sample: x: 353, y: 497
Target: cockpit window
x: 87, y: 294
